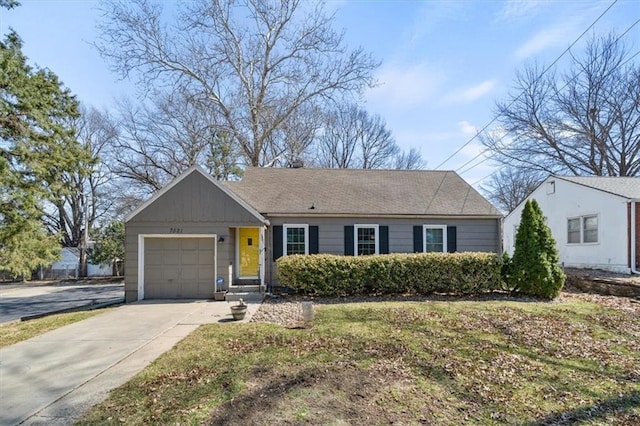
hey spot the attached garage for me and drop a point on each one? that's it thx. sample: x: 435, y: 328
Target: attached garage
x: 183, y: 238
x: 179, y: 267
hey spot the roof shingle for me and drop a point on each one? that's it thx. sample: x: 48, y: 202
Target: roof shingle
x: 628, y: 187
x: 360, y: 192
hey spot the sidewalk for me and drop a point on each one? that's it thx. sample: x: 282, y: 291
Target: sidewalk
x: 54, y: 378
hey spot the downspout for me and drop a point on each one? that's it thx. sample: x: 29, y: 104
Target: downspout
x: 634, y: 240
x: 263, y: 258
x: 501, y: 236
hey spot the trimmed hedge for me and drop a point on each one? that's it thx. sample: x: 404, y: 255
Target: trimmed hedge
x: 424, y: 273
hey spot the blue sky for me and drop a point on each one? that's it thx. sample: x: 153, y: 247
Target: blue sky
x: 444, y: 63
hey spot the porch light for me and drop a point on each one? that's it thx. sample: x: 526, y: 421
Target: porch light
x: 220, y: 240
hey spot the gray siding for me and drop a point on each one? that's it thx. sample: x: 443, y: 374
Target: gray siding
x: 472, y: 234
x: 193, y: 206
x: 195, y: 199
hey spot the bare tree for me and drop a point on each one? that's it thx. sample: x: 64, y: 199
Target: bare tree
x: 510, y: 186
x: 74, y: 212
x: 255, y: 62
x: 586, y: 122
x: 377, y: 146
x: 291, y: 142
x: 83, y: 203
x: 163, y: 137
x: 337, y: 145
x: 351, y: 138
x: 409, y: 160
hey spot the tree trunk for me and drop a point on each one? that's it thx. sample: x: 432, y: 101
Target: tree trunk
x: 82, y: 267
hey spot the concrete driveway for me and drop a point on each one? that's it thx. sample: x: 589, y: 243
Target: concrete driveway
x: 19, y: 300
x: 54, y: 378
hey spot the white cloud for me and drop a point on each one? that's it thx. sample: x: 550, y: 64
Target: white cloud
x: 565, y: 21
x: 549, y: 37
x: 431, y: 17
x: 473, y: 150
x: 515, y: 9
x: 475, y: 147
x: 470, y: 94
x: 405, y: 86
x: 467, y: 128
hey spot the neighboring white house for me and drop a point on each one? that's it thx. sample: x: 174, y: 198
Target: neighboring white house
x: 594, y: 220
x: 67, y: 266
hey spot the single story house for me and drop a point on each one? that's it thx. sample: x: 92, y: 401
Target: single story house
x: 196, y: 229
x: 594, y: 220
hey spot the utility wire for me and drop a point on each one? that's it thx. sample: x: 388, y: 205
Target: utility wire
x: 629, y: 59
x: 522, y: 93
x: 481, y: 153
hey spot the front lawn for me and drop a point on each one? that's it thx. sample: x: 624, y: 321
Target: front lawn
x: 429, y: 362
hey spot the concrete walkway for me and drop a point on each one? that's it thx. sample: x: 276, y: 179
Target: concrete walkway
x: 56, y: 377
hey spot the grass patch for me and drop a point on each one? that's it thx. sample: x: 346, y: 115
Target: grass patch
x: 465, y: 362
x: 17, y: 331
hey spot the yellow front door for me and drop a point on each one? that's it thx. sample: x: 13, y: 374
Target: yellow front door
x: 249, y: 251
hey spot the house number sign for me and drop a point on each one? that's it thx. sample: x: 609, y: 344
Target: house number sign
x: 175, y: 230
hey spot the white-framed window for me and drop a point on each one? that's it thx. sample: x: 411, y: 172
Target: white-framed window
x: 366, y: 240
x: 590, y: 229
x: 573, y: 230
x: 435, y: 238
x: 296, y: 239
x: 582, y: 230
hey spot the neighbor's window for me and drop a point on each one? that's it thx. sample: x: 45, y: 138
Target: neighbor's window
x: 435, y: 238
x: 582, y: 229
x: 573, y: 231
x: 590, y: 229
x: 296, y: 239
x: 366, y: 239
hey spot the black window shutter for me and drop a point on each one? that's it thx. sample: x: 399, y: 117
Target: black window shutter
x: 452, y: 245
x: 418, y: 240
x: 314, y: 244
x: 277, y: 242
x: 348, y: 240
x: 384, y: 239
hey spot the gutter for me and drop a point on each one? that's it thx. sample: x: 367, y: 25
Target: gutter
x: 380, y: 216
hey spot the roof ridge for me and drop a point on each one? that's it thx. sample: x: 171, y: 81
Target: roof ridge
x: 360, y: 191
x: 343, y: 169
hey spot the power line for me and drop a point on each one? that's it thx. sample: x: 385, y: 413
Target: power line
x: 481, y: 153
x: 490, y: 174
x: 629, y: 59
x: 522, y: 93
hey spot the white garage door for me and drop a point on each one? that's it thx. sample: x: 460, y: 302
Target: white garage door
x: 179, y: 268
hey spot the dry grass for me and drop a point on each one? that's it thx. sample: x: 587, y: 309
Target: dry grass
x: 410, y: 362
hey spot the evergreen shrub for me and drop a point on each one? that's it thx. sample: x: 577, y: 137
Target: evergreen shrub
x: 534, y: 269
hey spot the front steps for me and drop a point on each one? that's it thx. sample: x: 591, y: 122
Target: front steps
x: 249, y: 292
